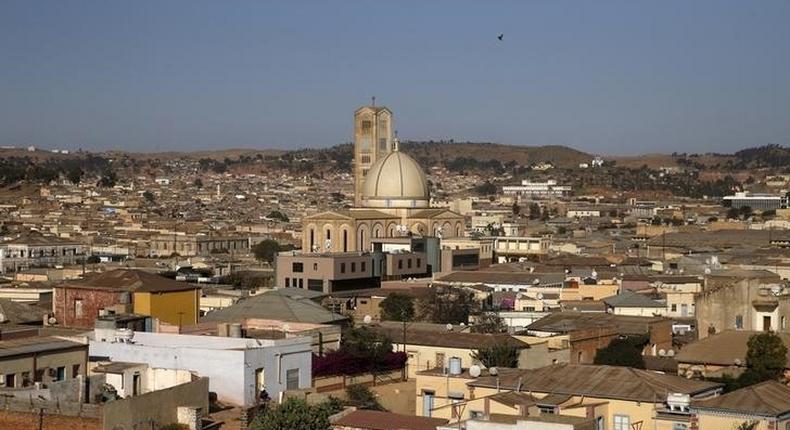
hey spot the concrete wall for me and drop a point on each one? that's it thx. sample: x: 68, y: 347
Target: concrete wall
x: 230, y: 363
x: 157, y: 408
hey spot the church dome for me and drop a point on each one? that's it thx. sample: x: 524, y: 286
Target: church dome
x: 395, y: 180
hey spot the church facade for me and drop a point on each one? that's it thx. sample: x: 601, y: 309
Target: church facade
x: 392, y: 195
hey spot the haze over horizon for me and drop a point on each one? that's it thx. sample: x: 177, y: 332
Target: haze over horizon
x: 613, y: 77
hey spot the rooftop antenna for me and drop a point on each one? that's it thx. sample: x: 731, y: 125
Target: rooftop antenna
x: 373, y: 100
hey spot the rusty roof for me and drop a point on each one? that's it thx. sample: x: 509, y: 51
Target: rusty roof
x: 130, y: 280
x: 769, y: 399
x: 378, y: 420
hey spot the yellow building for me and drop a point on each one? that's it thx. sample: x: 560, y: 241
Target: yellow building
x: 766, y: 403
x: 78, y: 303
x: 618, y: 398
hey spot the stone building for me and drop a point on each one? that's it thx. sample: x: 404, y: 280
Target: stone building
x: 392, y: 195
x: 197, y: 245
x: 34, y: 249
x: 743, y: 300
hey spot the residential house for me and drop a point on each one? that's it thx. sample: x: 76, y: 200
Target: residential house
x: 618, y: 398
x: 44, y: 359
x: 78, y: 303
x: 719, y: 354
x: 767, y: 404
x: 238, y: 369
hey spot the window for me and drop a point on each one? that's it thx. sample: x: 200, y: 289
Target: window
x: 408, y: 263
x: 419, y: 263
x: 315, y: 284
x: 10, y: 380
x: 75, y: 370
x: 547, y: 409
x: 342, y: 267
x: 362, y: 269
x: 427, y: 402
x: 366, y: 126
x: 622, y: 422
x: 301, y: 283
x: 365, y: 159
x: 60, y: 373
x: 739, y: 322
x: 287, y: 282
x: 292, y: 379
x: 383, y: 144
x: 297, y: 267
x: 78, y: 308
x: 400, y: 264
x: 26, y: 382
x: 674, y: 307
x: 477, y: 415
x: 315, y: 266
x: 353, y: 266
x: 680, y: 426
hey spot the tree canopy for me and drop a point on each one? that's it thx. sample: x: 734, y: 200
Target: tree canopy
x: 623, y: 351
x: 295, y: 413
x: 498, y: 355
x: 397, y: 307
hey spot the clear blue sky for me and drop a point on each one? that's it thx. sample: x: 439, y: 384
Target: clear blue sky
x: 602, y: 76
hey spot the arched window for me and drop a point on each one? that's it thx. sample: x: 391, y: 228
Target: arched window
x: 345, y: 240
x: 328, y: 234
x: 312, y: 240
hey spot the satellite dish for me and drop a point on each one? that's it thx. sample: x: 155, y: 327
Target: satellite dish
x: 286, y: 327
x: 52, y: 321
x: 737, y: 361
x: 671, y: 353
x: 474, y: 371
x: 540, y: 296
x: 449, y: 327
x: 462, y: 324
x: 707, y: 270
x: 536, y: 281
x: 662, y: 353
x: 493, y: 371
x: 367, y: 319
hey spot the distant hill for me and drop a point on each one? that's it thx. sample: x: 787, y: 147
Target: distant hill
x: 458, y: 155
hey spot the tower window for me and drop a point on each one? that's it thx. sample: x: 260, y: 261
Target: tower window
x: 383, y: 144
x: 366, y: 126
x: 365, y: 159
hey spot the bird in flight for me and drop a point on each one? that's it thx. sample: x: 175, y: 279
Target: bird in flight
x: 501, y: 35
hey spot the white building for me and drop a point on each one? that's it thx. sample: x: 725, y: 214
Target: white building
x: 238, y: 369
x: 528, y: 188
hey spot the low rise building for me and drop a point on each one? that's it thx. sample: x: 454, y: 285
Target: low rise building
x: 238, y: 369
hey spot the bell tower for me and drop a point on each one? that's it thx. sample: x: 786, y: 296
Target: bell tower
x: 373, y: 138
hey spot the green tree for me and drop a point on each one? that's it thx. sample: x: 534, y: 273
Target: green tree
x: 747, y: 425
x: 295, y: 413
x: 498, y: 355
x: 275, y: 214
x: 534, y: 211
x: 74, y: 175
x: 766, y: 358
x: 733, y: 213
x: 108, y: 179
x: 625, y: 351
x: 149, y: 196
x: 361, y: 397
x: 446, y: 306
x: 365, y: 343
x: 266, y: 250
x: 489, y: 322
x: 397, y: 307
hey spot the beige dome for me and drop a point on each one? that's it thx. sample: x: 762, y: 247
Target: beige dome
x: 395, y: 180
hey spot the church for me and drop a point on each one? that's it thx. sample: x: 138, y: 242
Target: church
x: 391, y: 195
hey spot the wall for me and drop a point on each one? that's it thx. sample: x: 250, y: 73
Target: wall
x: 45, y: 360
x: 93, y: 301
x: 230, y: 363
x: 177, y: 307
x: 10, y: 420
x: 157, y: 408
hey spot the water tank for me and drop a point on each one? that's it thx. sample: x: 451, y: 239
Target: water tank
x: 678, y: 401
x: 234, y: 330
x: 124, y: 335
x: 455, y: 366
